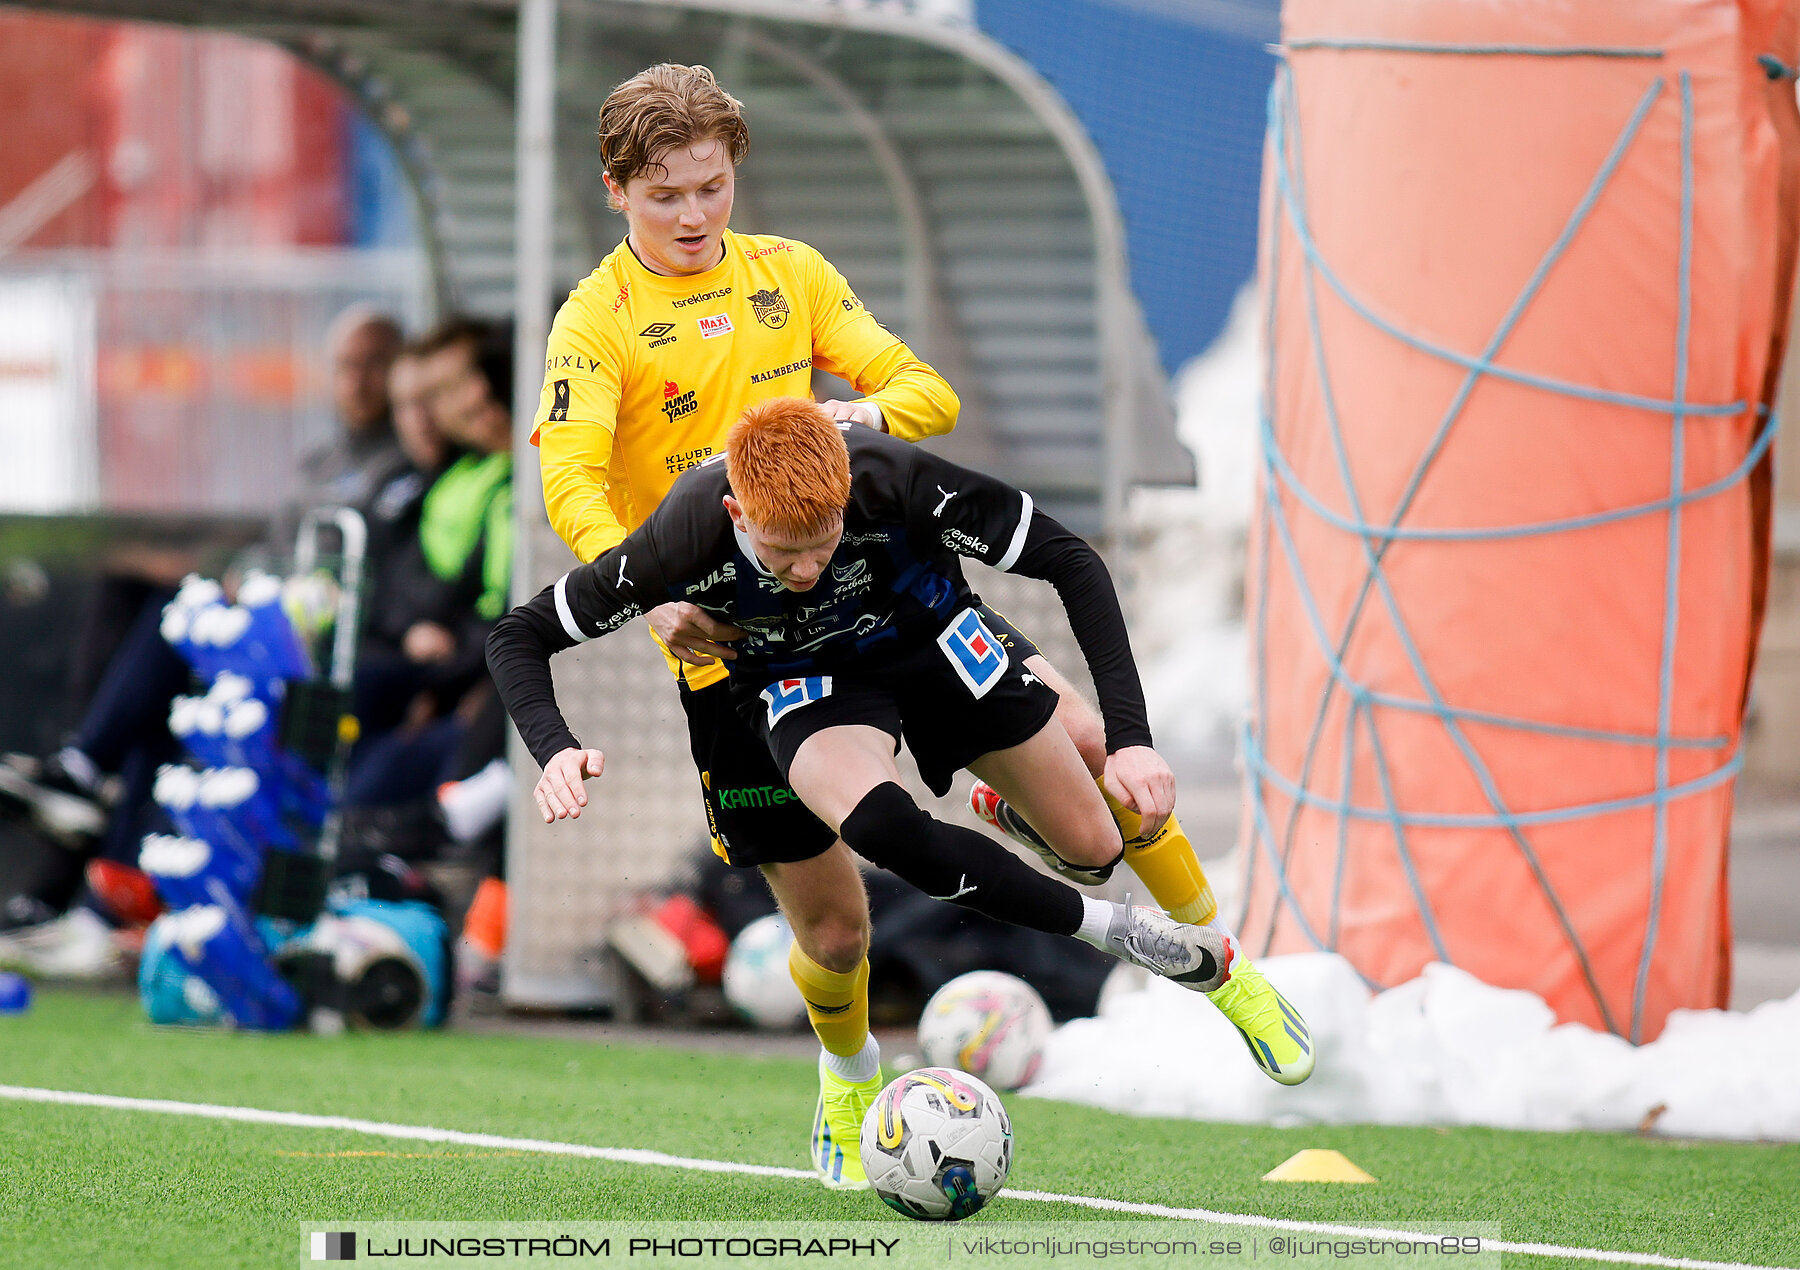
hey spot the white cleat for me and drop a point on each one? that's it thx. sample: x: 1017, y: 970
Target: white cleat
x: 994, y: 810
x: 77, y: 945
x: 1192, y: 956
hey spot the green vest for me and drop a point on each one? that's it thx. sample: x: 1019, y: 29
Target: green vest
x: 472, y: 502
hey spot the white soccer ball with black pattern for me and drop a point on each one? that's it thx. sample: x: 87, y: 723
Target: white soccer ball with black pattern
x: 757, y: 981
x: 936, y: 1144
x: 989, y: 1024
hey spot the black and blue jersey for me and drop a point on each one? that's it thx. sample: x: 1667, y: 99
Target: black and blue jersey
x: 894, y: 584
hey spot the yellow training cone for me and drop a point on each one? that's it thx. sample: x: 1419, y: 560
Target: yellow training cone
x: 1316, y: 1164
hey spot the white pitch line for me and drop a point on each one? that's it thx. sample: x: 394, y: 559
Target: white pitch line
x: 423, y: 1133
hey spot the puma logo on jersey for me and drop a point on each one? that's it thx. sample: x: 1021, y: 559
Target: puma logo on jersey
x: 1029, y: 678
x: 623, y: 580
x: 948, y: 494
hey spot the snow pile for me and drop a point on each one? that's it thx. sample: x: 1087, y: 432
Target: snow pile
x: 1444, y: 1048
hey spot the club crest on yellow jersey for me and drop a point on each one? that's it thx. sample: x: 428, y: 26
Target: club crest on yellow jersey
x: 771, y: 307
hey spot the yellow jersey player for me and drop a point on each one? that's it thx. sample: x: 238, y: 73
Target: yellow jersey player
x: 650, y: 361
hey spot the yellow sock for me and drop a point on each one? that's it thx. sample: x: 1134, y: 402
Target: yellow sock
x: 1167, y: 864
x: 837, y: 1003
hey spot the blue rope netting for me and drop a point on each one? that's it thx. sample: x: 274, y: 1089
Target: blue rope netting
x: 1375, y: 539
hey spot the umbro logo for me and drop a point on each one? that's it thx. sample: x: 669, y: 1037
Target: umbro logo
x: 658, y: 333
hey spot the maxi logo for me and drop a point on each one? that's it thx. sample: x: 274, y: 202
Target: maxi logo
x: 974, y: 652
x: 791, y: 694
x: 717, y: 324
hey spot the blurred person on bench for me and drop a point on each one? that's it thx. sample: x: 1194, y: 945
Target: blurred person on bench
x: 57, y: 926
x: 430, y: 773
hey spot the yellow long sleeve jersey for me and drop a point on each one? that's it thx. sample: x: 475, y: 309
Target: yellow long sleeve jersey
x: 645, y: 374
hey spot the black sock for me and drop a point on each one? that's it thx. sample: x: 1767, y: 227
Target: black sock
x: 949, y: 862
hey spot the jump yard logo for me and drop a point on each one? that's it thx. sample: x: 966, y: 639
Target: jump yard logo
x: 975, y: 652
x: 791, y: 694
x: 677, y: 404
x: 334, y: 1245
x: 771, y: 308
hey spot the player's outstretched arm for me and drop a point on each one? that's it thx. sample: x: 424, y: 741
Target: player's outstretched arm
x: 985, y: 519
x: 559, y: 791
x: 903, y: 396
x: 588, y: 601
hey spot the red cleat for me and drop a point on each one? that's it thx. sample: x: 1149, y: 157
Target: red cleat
x: 127, y: 892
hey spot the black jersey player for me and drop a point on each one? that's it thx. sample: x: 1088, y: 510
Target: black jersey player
x: 838, y: 550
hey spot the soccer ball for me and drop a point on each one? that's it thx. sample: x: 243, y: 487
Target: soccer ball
x: 757, y: 982
x: 989, y: 1024
x: 936, y: 1144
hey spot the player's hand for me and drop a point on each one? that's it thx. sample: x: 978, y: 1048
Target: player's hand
x: 856, y: 412
x: 692, y: 634
x: 559, y: 792
x: 1138, y: 777
x: 428, y: 642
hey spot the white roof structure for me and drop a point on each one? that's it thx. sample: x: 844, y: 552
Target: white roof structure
x: 934, y: 168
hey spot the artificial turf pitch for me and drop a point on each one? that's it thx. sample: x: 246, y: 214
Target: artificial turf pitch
x: 99, y: 1188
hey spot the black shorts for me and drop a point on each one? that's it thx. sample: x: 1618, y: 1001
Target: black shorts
x: 966, y: 694
x: 754, y: 816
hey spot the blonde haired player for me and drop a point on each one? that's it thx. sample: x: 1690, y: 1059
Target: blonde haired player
x: 650, y: 360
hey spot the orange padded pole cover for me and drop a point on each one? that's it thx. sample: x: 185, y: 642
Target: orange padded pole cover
x: 1528, y: 272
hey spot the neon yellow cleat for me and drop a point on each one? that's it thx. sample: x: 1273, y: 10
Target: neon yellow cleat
x: 837, y: 1128
x: 1273, y: 1029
